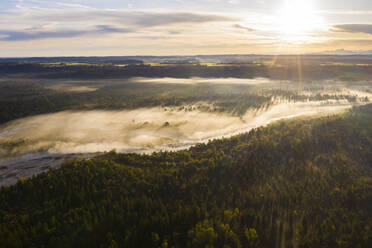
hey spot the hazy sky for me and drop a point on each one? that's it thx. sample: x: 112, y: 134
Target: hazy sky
x: 182, y: 27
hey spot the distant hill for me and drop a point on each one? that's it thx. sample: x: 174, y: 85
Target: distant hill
x: 345, y: 52
x: 224, y: 59
x: 90, y: 60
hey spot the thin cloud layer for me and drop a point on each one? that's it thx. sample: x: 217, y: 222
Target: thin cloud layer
x: 354, y: 28
x: 238, y: 26
x: 126, y: 17
x: 8, y: 35
x: 113, y: 22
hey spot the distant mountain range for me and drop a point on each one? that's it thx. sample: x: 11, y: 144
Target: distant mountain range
x: 194, y: 59
x: 345, y: 52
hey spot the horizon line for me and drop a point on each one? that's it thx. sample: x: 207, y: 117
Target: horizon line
x: 350, y: 53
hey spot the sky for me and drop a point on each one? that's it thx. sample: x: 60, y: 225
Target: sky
x: 182, y: 27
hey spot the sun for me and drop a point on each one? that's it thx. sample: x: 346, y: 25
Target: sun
x: 296, y: 19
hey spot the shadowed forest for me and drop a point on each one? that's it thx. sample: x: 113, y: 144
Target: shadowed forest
x: 298, y: 183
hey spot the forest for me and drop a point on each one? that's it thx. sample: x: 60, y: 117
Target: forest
x: 346, y: 68
x: 305, y: 182
x: 33, y: 86
x: 23, y: 96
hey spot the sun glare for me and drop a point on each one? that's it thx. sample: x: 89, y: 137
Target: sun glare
x: 297, y: 19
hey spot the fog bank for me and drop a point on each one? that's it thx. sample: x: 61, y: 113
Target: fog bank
x: 140, y: 130
x: 196, y: 80
x: 33, y: 145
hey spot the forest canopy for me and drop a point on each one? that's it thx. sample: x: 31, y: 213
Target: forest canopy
x: 297, y: 183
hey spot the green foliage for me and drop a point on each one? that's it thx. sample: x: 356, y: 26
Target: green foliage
x: 203, y: 235
x: 300, y: 183
x: 251, y: 236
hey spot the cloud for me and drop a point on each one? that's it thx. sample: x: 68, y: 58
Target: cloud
x: 243, y: 28
x: 128, y: 17
x: 353, y: 28
x: 345, y: 12
x: 66, y: 24
x: 160, y: 19
x: 8, y: 35
x: 111, y: 29
x: 234, y: 1
x: 73, y: 5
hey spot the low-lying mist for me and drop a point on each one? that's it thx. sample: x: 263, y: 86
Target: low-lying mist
x: 141, y: 130
x: 196, y: 80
